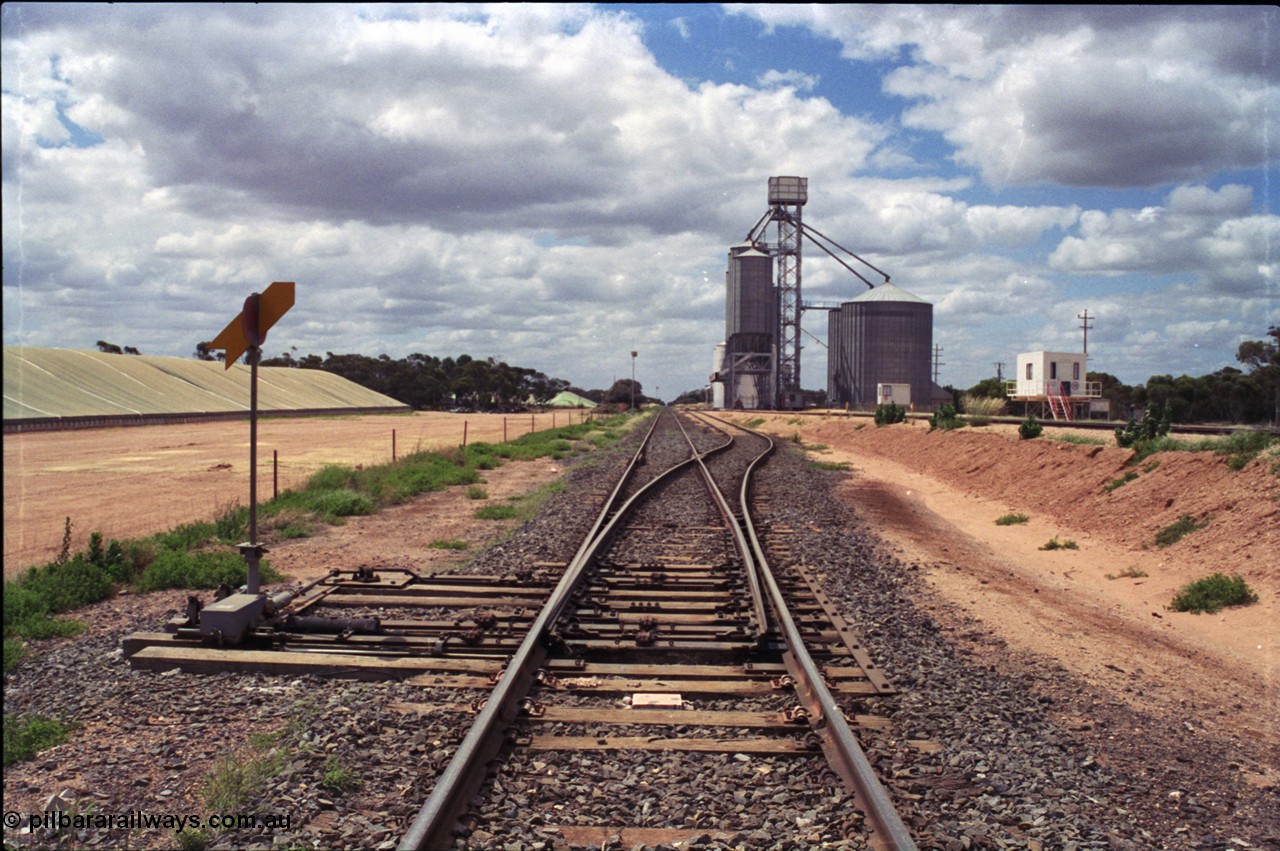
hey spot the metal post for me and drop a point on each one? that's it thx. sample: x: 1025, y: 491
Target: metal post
x: 393, y: 446
x: 252, y: 555
x: 464, y: 434
x: 275, y: 473
x: 633, y: 380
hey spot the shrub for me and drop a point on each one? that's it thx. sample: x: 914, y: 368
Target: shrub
x: 63, y: 587
x: 890, y: 414
x: 200, y: 569
x: 14, y: 650
x: 1154, y: 424
x: 1012, y: 519
x: 27, y: 735
x: 1055, y: 544
x: 1175, y: 531
x: 1030, y: 429
x: 448, y: 545
x: 946, y: 418
x: 1213, y: 593
x: 496, y: 512
x: 1128, y: 573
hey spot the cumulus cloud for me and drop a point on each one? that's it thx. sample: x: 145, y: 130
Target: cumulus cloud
x: 1209, y: 234
x: 1079, y: 96
x: 529, y: 182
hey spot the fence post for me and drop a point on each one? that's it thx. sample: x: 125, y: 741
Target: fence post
x: 464, y: 434
x: 275, y: 473
x: 504, y: 429
x: 393, y: 446
x: 531, y: 416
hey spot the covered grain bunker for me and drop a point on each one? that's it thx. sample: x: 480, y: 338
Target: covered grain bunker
x: 884, y: 336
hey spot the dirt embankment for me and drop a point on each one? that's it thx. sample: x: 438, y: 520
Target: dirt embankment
x: 1100, y: 609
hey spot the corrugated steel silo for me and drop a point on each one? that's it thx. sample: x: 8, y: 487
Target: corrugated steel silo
x: 837, y: 360
x: 751, y: 304
x: 886, y: 337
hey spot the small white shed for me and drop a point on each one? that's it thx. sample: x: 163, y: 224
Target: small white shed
x: 1051, y: 374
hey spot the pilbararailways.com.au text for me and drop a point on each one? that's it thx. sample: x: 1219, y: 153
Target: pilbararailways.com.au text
x: 138, y: 820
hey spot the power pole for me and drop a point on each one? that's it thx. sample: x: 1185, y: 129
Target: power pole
x: 937, y: 362
x: 1084, y: 324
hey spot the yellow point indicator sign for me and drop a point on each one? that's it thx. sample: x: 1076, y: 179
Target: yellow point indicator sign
x: 249, y: 329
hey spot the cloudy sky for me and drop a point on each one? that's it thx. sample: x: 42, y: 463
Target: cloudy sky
x: 557, y: 185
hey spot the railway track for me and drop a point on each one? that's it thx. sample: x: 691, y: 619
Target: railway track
x: 665, y: 663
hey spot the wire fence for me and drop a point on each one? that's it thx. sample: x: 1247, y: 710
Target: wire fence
x: 137, y: 504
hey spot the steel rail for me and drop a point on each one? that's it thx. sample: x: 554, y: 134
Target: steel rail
x: 888, y: 829
x: 759, y: 606
x: 434, y: 825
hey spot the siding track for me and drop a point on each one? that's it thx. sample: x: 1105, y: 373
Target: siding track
x: 664, y: 685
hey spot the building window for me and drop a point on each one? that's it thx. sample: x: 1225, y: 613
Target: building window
x: 1075, y: 371
x: 1053, y: 370
x: 1028, y: 372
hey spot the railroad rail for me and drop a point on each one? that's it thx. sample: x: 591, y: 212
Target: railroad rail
x: 668, y: 631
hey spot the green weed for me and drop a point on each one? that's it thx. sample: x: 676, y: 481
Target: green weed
x: 1177, y: 530
x: 831, y: 466
x: 1128, y: 573
x: 1078, y: 440
x: 495, y: 512
x: 1011, y: 519
x: 338, y: 776
x: 27, y: 735
x: 477, y: 492
x: 1119, y: 481
x: 1213, y: 593
x: 448, y: 545
x: 1055, y: 544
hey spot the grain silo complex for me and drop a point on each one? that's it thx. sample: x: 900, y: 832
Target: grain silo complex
x: 879, y: 344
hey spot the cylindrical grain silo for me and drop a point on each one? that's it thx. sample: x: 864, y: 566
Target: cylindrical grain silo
x: 886, y: 337
x: 751, y: 305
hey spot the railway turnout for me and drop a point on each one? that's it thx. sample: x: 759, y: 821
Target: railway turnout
x: 668, y: 650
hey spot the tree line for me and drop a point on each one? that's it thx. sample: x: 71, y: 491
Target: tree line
x: 425, y: 382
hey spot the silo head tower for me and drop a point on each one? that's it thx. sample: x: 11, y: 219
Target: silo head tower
x: 885, y: 336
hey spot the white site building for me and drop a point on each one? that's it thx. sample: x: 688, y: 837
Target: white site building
x: 1054, y: 386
